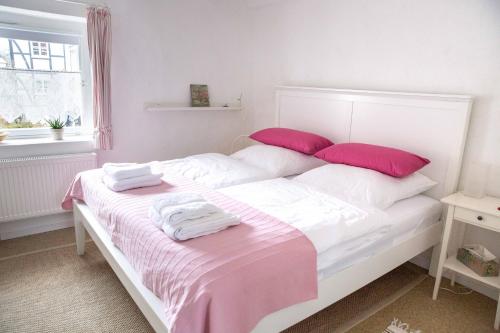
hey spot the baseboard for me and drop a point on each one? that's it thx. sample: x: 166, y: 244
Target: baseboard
x: 35, y: 225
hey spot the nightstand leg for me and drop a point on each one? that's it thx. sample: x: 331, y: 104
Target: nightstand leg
x: 444, y: 247
x: 497, y: 318
x: 453, y: 276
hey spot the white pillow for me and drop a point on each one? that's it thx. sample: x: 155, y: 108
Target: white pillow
x: 278, y: 161
x: 363, y: 186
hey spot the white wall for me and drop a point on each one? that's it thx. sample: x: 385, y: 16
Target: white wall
x: 445, y: 46
x: 158, y: 49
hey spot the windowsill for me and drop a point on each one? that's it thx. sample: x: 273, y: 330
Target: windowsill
x: 45, y: 140
x: 23, y: 147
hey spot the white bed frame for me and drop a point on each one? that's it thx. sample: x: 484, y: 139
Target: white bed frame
x: 434, y: 126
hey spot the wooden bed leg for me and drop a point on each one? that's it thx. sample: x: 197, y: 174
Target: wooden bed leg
x: 79, y: 233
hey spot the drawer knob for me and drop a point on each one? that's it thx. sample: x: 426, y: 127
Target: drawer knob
x: 480, y: 218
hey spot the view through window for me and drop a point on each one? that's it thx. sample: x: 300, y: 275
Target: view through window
x: 39, y: 80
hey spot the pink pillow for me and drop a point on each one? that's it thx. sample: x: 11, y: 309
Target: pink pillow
x: 390, y: 161
x: 303, y: 142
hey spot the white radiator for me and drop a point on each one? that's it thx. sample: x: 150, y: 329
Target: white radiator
x: 35, y: 186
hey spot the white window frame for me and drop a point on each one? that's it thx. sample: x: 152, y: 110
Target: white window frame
x: 43, y: 35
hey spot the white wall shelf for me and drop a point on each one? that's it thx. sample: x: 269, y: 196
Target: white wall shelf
x: 161, y: 108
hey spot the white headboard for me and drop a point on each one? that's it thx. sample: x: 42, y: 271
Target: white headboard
x: 433, y: 126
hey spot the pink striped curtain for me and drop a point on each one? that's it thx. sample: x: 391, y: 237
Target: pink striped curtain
x: 99, y: 40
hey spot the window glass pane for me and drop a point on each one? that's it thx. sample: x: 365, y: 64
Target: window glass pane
x: 21, y: 61
x: 27, y: 99
x: 44, y: 49
x: 56, y: 49
x: 41, y: 64
x: 72, y: 58
x: 35, y: 48
x: 21, y: 46
x: 41, y: 84
x: 4, y: 53
x: 58, y: 64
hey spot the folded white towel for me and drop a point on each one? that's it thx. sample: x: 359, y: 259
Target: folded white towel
x: 120, y: 171
x: 177, y: 214
x: 130, y: 183
x: 200, y: 227
x: 175, y: 199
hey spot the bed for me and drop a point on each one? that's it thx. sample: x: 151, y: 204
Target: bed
x: 432, y: 125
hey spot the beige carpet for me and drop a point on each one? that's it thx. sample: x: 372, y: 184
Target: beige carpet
x: 356, y: 307
x: 450, y: 313
x: 35, y: 243
x: 57, y: 291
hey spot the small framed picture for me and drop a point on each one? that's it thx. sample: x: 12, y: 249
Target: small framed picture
x: 199, y: 95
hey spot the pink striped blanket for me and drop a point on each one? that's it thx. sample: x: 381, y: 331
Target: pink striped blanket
x: 224, y: 282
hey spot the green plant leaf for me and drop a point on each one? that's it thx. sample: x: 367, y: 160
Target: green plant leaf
x: 55, y: 123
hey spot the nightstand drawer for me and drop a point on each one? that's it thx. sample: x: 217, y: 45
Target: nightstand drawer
x: 477, y: 218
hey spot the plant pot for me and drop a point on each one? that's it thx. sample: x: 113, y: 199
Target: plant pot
x: 58, y: 133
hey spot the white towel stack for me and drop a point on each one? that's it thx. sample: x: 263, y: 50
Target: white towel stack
x: 188, y: 215
x: 125, y: 176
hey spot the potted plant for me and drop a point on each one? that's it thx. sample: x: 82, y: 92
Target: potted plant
x: 57, y: 126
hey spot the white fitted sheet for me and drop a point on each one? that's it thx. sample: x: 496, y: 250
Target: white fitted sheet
x: 407, y: 218
x: 343, y: 234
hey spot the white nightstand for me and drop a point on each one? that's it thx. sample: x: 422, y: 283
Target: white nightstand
x: 483, y: 213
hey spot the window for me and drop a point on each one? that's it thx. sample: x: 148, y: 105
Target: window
x: 41, y: 87
x: 39, y: 49
x: 43, y: 75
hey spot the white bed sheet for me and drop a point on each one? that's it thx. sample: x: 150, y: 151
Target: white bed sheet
x: 407, y: 218
x: 216, y: 170
x: 343, y: 234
